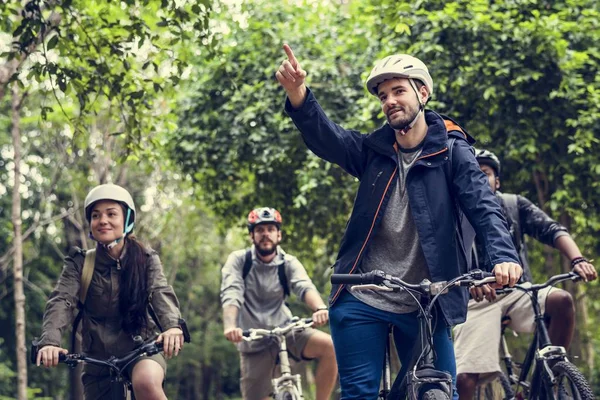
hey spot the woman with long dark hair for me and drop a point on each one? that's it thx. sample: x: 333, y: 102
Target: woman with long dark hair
x: 128, y: 296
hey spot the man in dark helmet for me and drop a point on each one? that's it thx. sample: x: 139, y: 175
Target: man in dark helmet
x: 481, y: 331
x: 254, y: 285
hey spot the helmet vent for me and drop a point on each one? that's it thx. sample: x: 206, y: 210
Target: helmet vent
x: 408, y: 67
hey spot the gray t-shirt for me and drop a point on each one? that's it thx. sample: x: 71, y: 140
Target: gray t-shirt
x: 260, y: 297
x: 395, y: 248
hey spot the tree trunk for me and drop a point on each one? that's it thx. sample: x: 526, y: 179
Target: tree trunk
x: 19, y: 293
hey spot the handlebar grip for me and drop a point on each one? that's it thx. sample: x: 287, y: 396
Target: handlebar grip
x: 246, y: 333
x: 479, y: 274
x: 34, y: 351
x: 353, y: 279
x: 62, y: 357
x: 186, y: 333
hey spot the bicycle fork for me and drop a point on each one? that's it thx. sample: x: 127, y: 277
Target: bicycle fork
x: 424, y: 374
x: 387, y: 373
x: 286, y: 371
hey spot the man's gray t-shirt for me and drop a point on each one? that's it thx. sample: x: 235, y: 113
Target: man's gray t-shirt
x: 260, y: 296
x: 395, y: 248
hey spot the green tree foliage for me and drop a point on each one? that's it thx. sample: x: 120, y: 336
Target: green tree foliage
x: 237, y: 143
x: 522, y: 76
x: 93, y: 56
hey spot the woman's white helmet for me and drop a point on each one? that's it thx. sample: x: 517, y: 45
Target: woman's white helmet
x: 399, y: 66
x: 114, y: 193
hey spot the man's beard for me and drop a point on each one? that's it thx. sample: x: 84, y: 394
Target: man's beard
x: 266, y: 252
x: 410, y: 115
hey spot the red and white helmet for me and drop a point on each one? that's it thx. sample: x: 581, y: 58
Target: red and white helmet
x: 264, y: 215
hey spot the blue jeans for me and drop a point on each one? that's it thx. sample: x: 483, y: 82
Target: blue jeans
x: 359, y: 334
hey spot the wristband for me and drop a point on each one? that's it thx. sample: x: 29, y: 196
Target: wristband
x: 321, y: 308
x: 578, y: 260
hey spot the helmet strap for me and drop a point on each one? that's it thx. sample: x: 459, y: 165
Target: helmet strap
x: 128, y: 227
x: 408, y: 127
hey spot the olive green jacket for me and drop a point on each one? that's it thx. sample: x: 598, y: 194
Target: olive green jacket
x: 101, y: 324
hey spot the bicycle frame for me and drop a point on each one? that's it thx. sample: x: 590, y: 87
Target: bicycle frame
x: 287, y: 380
x: 541, y: 351
x: 387, y: 371
x: 421, y: 371
x: 120, y: 385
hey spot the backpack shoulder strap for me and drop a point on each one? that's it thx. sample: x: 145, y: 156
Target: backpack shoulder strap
x: 464, y: 230
x: 511, y: 209
x: 283, y: 279
x: 86, y: 274
x: 87, y: 271
x: 247, y: 264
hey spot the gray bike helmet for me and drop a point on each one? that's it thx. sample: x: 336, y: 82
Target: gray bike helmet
x: 486, y: 157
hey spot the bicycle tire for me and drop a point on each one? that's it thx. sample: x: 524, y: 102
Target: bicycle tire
x: 434, y: 394
x: 567, y: 373
x: 287, y: 394
x: 486, y: 391
x: 509, y: 393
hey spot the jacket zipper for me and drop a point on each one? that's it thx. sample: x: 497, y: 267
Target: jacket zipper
x: 375, y: 181
x: 369, y: 234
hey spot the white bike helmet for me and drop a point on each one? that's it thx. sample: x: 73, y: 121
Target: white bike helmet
x: 114, y: 193
x: 399, y: 66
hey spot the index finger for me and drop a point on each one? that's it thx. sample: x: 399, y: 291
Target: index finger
x: 290, y: 55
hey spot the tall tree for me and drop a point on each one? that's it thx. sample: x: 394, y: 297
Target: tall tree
x: 19, y: 293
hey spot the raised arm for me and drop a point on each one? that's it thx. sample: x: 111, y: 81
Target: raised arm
x: 291, y: 76
x: 323, y: 137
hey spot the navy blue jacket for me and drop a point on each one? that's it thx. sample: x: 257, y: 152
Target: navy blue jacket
x: 372, y: 159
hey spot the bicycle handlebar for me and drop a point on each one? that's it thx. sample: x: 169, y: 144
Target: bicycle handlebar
x: 550, y: 282
x: 295, y: 324
x: 149, y: 349
x: 379, y: 280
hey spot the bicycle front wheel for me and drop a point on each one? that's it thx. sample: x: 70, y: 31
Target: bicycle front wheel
x: 497, y: 389
x: 434, y: 394
x: 570, y: 383
x: 287, y: 394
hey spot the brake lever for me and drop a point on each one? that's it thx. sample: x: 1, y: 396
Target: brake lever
x: 371, y: 286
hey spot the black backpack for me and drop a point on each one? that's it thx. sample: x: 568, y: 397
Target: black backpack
x: 280, y: 273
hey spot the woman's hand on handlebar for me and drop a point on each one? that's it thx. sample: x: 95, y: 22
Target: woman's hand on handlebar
x: 172, y: 340
x: 320, y: 317
x: 48, y: 356
x: 485, y: 291
x: 507, y: 273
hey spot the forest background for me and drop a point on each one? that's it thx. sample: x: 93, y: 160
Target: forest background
x: 177, y: 101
